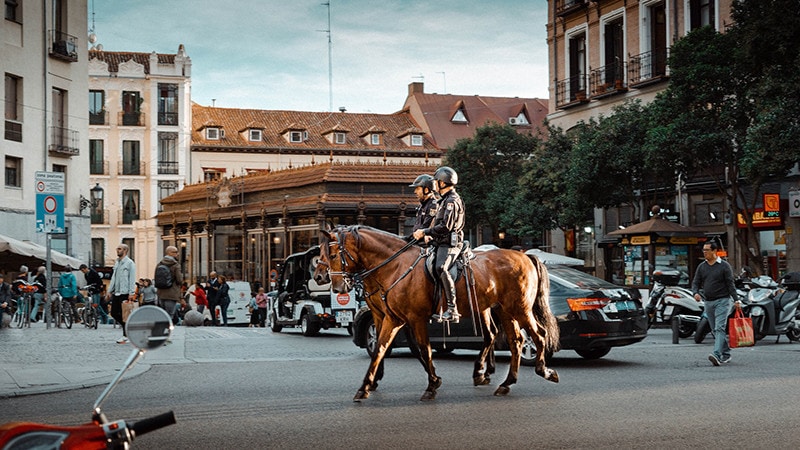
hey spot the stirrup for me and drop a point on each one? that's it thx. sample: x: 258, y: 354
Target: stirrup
x: 451, y: 315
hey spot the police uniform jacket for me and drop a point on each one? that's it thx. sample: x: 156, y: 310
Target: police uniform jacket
x: 449, y: 220
x: 425, y: 213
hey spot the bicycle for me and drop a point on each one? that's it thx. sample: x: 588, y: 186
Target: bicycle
x: 89, y: 311
x: 61, y: 310
x: 25, y: 303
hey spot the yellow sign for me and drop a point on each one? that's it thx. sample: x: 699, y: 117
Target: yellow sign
x: 640, y: 240
x: 683, y: 240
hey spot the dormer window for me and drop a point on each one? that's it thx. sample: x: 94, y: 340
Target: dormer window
x: 459, y: 117
x: 375, y: 139
x: 519, y: 119
x: 416, y: 140
x: 213, y: 134
x: 255, y: 135
x: 339, y: 137
x: 295, y: 136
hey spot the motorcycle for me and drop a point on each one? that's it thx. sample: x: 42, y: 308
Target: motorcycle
x: 777, y: 313
x: 148, y: 328
x: 668, y: 300
x: 749, y: 290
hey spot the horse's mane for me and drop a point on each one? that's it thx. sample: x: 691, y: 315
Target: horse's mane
x: 354, y: 230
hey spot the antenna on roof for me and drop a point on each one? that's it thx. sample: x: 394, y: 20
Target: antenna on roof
x: 444, y: 79
x: 330, y: 63
x: 93, y: 37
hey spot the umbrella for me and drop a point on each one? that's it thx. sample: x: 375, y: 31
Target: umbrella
x: 14, y: 253
x: 552, y: 258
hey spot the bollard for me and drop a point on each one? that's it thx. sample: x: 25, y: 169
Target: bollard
x: 676, y: 325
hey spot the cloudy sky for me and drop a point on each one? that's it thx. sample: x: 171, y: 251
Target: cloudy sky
x: 271, y: 54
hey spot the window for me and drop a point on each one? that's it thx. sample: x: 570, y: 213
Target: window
x: 97, y: 113
x: 295, y: 136
x: 98, y: 252
x: 65, y: 46
x: 130, y: 158
x: 614, y: 51
x: 213, y: 174
x: 340, y: 138
x: 167, y: 104
x: 13, y: 12
x: 165, y: 189
x: 701, y: 13
x: 131, y: 108
x: 577, y: 65
x: 212, y: 134
x: 416, y: 140
x: 375, y: 139
x: 131, y: 243
x: 519, y: 119
x: 130, y: 206
x: 13, y: 110
x: 168, y: 153
x: 13, y: 171
x: 255, y: 135
x: 96, y: 157
x: 459, y: 117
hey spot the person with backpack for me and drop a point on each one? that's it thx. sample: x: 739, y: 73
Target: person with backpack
x: 68, y: 288
x: 168, y: 279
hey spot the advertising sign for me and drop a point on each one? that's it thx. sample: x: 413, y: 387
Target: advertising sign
x: 49, y: 202
x: 794, y: 203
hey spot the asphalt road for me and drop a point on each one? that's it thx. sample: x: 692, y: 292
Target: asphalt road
x: 246, y: 388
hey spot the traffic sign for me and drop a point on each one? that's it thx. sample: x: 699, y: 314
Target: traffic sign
x: 49, y: 202
x: 794, y: 203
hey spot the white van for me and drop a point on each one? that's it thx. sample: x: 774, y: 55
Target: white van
x: 238, y: 313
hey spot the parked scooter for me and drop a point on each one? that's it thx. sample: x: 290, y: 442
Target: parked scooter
x: 668, y: 300
x: 148, y: 327
x: 777, y: 313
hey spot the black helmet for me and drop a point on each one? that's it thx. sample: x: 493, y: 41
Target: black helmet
x: 446, y: 175
x: 424, y: 181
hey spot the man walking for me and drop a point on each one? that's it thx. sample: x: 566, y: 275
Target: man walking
x: 169, y: 295
x: 122, y: 287
x: 715, y: 278
x: 95, y: 282
x: 212, y: 288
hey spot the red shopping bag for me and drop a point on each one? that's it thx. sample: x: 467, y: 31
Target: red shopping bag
x: 740, y: 330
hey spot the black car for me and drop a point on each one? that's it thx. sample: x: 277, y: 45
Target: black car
x: 593, y: 316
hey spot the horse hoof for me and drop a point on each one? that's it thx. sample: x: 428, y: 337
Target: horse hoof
x: 427, y: 396
x: 552, y: 375
x: 361, y: 395
x: 502, y: 391
x: 480, y: 381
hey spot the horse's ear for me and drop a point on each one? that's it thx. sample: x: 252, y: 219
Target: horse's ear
x: 327, y: 234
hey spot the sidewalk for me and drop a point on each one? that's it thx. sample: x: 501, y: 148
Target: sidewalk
x: 36, y: 360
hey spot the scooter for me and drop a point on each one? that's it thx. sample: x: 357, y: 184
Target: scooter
x: 148, y: 328
x: 777, y: 313
x: 668, y: 300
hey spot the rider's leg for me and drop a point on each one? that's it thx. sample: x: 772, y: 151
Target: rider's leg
x: 445, y: 257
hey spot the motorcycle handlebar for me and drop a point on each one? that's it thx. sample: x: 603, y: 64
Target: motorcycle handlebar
x: 153, y: 423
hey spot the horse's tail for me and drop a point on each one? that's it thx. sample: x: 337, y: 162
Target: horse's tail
x: 541, y: 308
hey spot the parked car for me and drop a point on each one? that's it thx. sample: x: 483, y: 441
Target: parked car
x: 238, y: 314
x: 593, y: 317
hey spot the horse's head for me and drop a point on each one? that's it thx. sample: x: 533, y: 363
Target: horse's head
x: 336, y: 264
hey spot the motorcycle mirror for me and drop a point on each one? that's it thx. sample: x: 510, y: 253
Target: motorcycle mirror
x: 148, y: 327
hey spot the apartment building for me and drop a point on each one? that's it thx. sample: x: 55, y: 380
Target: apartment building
x: 140, y: 119
x: 43, y: 59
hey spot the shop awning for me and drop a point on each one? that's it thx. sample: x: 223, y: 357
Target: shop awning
x: 15, y: 253
x: 659, y: 227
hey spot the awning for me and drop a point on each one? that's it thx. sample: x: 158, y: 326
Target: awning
x: 552, y: 258
x: 15, y: 253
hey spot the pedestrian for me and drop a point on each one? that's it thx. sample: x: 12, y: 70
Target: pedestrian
x: 714, y: 277
x: 261, y: 306
x: 200, y: 299
x: 169, y: 296
x: 21, y: 279
x: 426, y: 210
x: 38, y: 296
x: 252, y: 306
x: 5, y: 298
x: 447, y: 235
x: 68, y: 288
x: 94, y: 285
x: 223, y: 299
x: 122, y: 287
x: 148, y: 292
x: 212, y: 288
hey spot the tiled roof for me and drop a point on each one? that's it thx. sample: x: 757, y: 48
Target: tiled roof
x: 318, y: 125
x: 435, y: 111
x: 114, y: 59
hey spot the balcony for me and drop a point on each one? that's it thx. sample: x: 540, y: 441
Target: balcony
x: 131, y: 119
x: 99, y: 217
x: 168, y: 167
x: 571, y: 92
x: 98, y: 167
x: 131, y: 168
x: 64, y: 46
x: 168, y: 118
x: 566, y: 7
x: 607, y: 80
x: 64, y: 142
x: 98, y: 118
x: 127, y: 217
x: 648, y: 68
x: 13, y: 131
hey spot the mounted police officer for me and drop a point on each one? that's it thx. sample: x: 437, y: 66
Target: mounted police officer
x: 447, y: 235
x: 426, y: 210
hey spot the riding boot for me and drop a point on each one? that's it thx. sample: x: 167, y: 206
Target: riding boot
x: 451, y: 315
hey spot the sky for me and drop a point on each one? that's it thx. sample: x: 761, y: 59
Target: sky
x: 273, y: 54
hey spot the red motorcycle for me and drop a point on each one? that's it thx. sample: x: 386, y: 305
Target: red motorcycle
x: 148, y: 328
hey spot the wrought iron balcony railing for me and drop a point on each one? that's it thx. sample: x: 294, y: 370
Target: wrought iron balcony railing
x: 131, y: 168
x: 167, y: 167
x: 571, y: 91
x: 98, y: 118
x: 64, y: 141
x: 648, y: 67
x: 63, y: 46
x: 131, y: 119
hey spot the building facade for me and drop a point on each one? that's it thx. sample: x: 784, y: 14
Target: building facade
x: 140, y: 120
x: 44, y: 62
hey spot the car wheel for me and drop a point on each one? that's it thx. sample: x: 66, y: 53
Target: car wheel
x: 307, y: 326
x: 593, y: 353
x: 272, y: 323
x: 372, y: 340
x: 528, y: 354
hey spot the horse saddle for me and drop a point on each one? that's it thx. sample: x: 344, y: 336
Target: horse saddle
x: 456, y: 270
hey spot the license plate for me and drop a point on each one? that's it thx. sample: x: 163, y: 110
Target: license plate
x: 344, y: 317
x: 668, y: 311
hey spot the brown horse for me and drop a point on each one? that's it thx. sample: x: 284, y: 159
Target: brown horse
x: 399, y: 293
